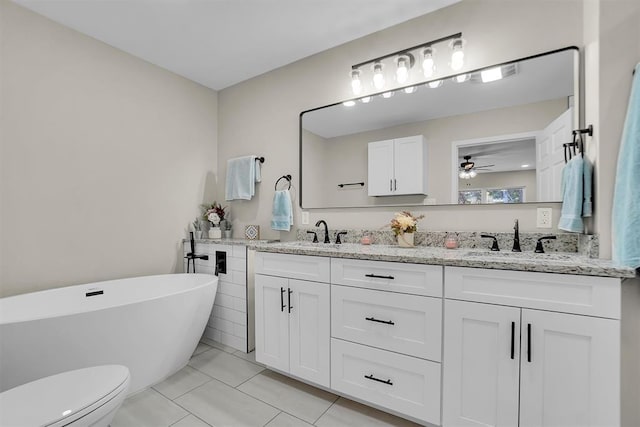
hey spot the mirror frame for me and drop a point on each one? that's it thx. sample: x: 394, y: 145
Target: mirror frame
x: 578, y: 91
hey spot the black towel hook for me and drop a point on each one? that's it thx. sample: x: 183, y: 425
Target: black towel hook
x: 287, y: 177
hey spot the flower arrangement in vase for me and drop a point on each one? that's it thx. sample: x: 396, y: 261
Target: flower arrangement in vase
x: 404, y: 225
x: 215, y: 214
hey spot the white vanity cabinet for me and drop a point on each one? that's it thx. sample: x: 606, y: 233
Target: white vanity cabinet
x: 525, y: 363
x: 397, y: 166
x: 292, y: 315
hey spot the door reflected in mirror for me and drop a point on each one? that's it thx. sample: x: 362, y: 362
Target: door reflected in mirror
x: 485, y: 139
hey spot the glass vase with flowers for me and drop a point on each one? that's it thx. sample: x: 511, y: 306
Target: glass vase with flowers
x: 404, y: 225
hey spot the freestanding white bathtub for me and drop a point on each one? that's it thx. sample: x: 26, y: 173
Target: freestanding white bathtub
x: 149, y: 324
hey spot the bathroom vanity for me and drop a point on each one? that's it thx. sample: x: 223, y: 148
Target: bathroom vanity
x: 449, y: 338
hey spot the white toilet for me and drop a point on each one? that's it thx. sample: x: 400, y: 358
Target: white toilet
x: 84, y: 397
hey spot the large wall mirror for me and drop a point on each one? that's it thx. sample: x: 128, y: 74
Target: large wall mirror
x: 490, y: 136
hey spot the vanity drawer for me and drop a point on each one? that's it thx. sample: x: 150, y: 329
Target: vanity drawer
x: 398, y: 322
x: 567, y: 293
x: 394, y: 381
x: 304, y: 267
x: 401, y: 277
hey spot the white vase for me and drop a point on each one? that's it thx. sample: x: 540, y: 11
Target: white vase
x: 405, y: 240
x: 215, y: 233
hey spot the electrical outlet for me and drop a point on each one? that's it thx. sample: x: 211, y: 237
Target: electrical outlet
x: 544, y: 218
x: 305, y: 218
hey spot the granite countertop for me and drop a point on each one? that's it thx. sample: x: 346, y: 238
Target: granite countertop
x: 553, y: 262
x: 222, y: 241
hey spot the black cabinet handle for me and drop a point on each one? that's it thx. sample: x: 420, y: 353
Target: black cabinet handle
x: 282, y: 306
x: 390, y: 185
x: 528, y: 342
x: 513, y: 336
x: 372, y: 378
x: 289, y: 300
x: 386, y: 322
x: 379, y: 277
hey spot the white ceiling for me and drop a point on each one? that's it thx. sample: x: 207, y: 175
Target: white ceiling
x: 218, y: 43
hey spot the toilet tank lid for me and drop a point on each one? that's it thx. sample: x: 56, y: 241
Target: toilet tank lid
x: 51, y: 399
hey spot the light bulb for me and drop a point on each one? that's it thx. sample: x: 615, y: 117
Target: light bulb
x: 410, y: 89
x: 378, y: 77
x: 349, y: 103
x: 472, y: 173
x: 365, y: 99
x: 457, y: 57
x: 402, y: 72
x: 428, y: 65
x: 356, y: 84
x: 388, y: 94
x: 462, y: 175
x: 434, y: 84
x: 461, y: 78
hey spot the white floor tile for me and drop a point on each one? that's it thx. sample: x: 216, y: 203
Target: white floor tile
x: 220, y: 405
x: 148, y: 408
x: 285, y: 420
x: 218, y: 345
x: 181, y: 382
x: 289, y: 395
x: 347, y: 413
x: 201, y: 348
x: 190, y: 421
x: 225, y: 367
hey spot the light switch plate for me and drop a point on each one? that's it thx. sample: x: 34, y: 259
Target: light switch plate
x: 305, y: 218
x: 544, y: 218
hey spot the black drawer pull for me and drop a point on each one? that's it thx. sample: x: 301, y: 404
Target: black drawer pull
x: 379, y: 277
x: 289, y: 300
x: 529, y: 342
x: 513, y: 339
x: 93, y: 293
x: 372, y: 378
x: 373, y: 319
x: 282, y: 306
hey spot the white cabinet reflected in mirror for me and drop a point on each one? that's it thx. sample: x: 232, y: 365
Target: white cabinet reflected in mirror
x: 484, y: 141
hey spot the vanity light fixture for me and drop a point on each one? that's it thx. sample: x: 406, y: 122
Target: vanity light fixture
x: 491, y: 74
x: 434, y: 84
x: 378, y: 77
x: 457, y: 56
x: 365, y: 99
x: 388, y: 94
x: 494, y: 74
x: 403, y: 61
x: 356, y: 84
x: 428, y: 65
x: 349, y: 103
x: 410, y: 89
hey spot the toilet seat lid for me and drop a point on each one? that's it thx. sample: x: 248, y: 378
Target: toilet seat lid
x: 51, y: 399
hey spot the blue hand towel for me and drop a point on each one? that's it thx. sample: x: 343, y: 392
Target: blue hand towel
x: 572, y: 195
x: 282, y: 213
x: 626, y: 197
x: 242, y: 175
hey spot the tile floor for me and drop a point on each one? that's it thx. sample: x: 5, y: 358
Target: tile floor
x: 224, y: 387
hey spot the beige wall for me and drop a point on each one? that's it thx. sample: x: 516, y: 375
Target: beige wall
x: 261, y: 115
x: 347, y: 155
x: 104, y: 158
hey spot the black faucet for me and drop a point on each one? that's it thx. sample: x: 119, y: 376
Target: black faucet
x: 516, y: 238
x: 338, y: 241
x: 494, y: 247
x: 315, y: 236
x: 539, y: 247
x: 326, y: 230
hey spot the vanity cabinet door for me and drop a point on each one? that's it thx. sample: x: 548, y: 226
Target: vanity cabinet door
x: 570, y: 370
x: 272, y: 321
x: 410, y: 163
x: 309, y: 327
x: 480, y: 364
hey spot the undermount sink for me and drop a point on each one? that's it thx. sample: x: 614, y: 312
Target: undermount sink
x: 306, y: 244
x: 522, y: 255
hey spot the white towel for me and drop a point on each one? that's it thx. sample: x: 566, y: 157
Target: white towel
x: 282, y: 213
x: 242, y: 175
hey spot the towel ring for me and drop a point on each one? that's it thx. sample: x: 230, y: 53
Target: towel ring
x: 287, y: 177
